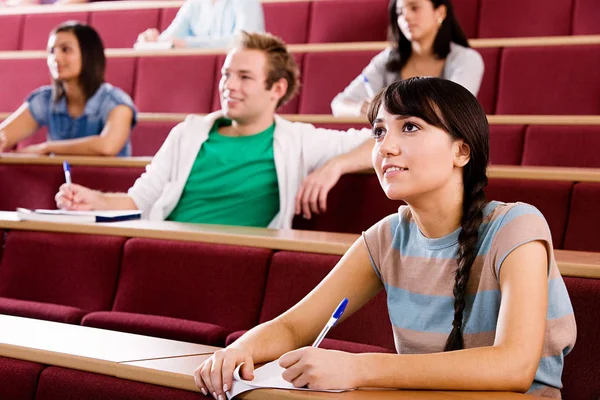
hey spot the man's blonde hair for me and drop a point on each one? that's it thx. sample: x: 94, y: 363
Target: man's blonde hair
x: 280, y: 63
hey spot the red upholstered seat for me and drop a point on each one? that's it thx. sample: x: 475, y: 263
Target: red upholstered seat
x: 79, y: 271
x: 19, y: 379
x: 39, y: 310
x: 581, y: 370
x: 148, y: 136
x: 106, y: 179
x: 324, y: 79
x: 190, y: 80
x: 517, y: 18
x: 19, y: 77
x: 11, y: 32
x: 586, y: 14
x: 354, y: 204
x: 68, y: 384
x: 362, y: 21
x: 506, y: 144
x: 584, y: 218
x: 549, y: 80
x: 153, y: 325
x: 120, y: 72
x: 562, y: 146
x: 30, y: 186
x: 489, y: 84
x: 189, y: 281
x: 37, y: 27
x: 292, y: 275
x: 550, y: 197
x: 166, y: 17
x: 467, y: 13
x: 288, y: 20
x: 130, y: 24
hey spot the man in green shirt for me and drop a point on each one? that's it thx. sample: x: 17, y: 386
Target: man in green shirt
x: 243, y: 165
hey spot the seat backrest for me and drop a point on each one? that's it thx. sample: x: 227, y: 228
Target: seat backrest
x: 29, y: 186
x: 586, y: 14
x: 467, y: 14
x: 527, y: 18
x: 550, y: 197
x: 488, y: 91
x: 120, y: 72
x: 148, y: 136
x: 67, y: 269
x: 562, y: 146
x: 581, y: 368
x: 120, y: 29
x: 362, y: 21
x: 584, y: 218
x: 37, y: 27
x: 106, y: 179
x: 18, y: 78
x: 218, y: 284
x: 293, y: 275
x: 166, y: 17
x: 506, y: 144
x: 288, y: 20
x: 549, y: 80
x: 12, y: 26
x: 190, y: 79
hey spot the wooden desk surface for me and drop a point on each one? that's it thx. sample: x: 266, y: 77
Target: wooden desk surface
x: 84, y: 348
x: 179, y: 373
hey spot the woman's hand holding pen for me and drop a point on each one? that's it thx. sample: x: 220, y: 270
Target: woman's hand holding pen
x: 215, y: 375
x: 74, y: 197
x: 320, y: 369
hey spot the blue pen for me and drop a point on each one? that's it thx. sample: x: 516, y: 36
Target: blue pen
x: 368, y: 87
x: 67, y: 169
x: 337, y: 314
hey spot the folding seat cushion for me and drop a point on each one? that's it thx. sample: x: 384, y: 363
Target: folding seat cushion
x: 527, y: 18
x: 204, y: 286
x: 148, y: 136
x: 584, y: 218
x: 29, y: 186
x: 362, y: 21
x: 120, y: 29
x: 562, y: 146
x: 546, y: 80
x: 19, y: 378
x: 120, y: 72
x: 76, y: 271
x: 18, y: 77
x: 354, y: 204
x: 106, y: 179
x: 69, y: 384
x: 182, y: 84
x: 467, y: 13
x: 37, y: 27
x: 581, y: 370
x: 328, y: 73
x: 506, y: 144
x: 166, y: 17
x: 489, y: 84
x: 12, y: 26
x: 550, y: 197
x: 293, y: 275
x: 291, y: 107
x: 586, y: 14
x: 288, y: 20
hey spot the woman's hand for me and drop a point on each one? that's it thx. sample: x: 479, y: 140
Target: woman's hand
x: 149, y: 35
x: 320, y: 369
x: 215, y: 375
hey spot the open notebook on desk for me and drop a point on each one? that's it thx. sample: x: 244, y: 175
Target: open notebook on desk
x: 266, y: 377
x: 24, y: 214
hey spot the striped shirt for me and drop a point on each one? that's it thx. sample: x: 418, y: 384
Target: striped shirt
x: 418, y: 275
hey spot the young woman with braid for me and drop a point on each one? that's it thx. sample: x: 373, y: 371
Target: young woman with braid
x: 474, y: 294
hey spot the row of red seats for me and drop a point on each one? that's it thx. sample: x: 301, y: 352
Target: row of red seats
x: 354, y: 204
x: 209, y: 292
x: 319, y: 22
x: 518, y: 80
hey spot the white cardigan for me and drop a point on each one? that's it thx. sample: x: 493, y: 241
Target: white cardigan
x: 298, y: 149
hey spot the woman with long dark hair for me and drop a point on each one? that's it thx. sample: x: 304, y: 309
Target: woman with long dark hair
x: 425, y: 40
x: 474, y: 294
x: 84, y: 114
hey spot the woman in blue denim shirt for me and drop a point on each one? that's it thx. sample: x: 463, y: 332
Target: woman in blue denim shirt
x: 84, y: 115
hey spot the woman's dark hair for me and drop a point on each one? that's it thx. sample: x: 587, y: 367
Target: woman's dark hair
x: 93, y: 60
x: 451, y: 107
x: 449, y: 31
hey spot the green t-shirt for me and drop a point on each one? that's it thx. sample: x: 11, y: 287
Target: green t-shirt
x: 233, y: 181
